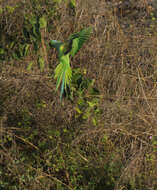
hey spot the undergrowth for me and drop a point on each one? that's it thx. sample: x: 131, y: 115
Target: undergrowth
x: 103, y: 135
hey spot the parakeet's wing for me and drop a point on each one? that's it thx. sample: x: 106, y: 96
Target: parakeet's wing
x: 63, y: 73
x: 78, y: 39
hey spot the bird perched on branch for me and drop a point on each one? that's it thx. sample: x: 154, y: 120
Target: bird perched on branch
x: 70, y: 47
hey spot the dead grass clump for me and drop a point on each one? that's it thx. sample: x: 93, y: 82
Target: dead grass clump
x: 58, y: 146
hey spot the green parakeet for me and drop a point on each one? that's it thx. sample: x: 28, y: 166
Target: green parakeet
x: 70, y: 47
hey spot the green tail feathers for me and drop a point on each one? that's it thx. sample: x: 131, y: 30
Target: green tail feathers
x: 62, y: 87
x: 63, y: 72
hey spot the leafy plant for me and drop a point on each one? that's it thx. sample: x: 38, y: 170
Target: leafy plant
x: 19, y: 41
x: 87, y: 103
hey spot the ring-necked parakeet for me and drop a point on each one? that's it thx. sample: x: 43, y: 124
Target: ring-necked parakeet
x: 70, y: 47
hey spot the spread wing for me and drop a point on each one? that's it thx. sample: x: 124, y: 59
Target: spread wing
x: 78, y: 39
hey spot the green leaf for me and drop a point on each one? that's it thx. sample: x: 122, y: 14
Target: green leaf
x: 42, y: 22
x: 57, y: 1
x: 35, y: 31
x: 2, y: 51
x: 10, y: 9
x: 91, y: 104
x: 33, y: 20
x: 21, y: 48
x: 29, y: 67
x: 11, y: 45
x: 94, y: 121
x: 72, y: 4
x: 15, y: 56
x: 26, y: 48
x: 78, y: 110
x: 41, y: 63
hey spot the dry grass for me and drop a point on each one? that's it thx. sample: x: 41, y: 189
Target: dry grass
x: 121, y: 57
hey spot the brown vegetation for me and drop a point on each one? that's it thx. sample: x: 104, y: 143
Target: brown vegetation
x: 46, y: 144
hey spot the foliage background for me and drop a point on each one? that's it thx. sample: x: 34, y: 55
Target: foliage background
x: 104, y: 134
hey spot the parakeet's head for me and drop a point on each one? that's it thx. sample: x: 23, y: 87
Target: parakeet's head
x: 61, y: 48
x: 55, y: 43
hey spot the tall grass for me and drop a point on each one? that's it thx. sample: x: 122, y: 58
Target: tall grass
x: 103, y: 136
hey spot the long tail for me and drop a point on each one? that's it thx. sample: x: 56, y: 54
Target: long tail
x: 63, y: 74
x: 62, y: 87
